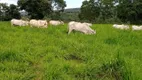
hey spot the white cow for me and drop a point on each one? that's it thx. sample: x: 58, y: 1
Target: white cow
x: 17, y: 22
x: 38, y: 23
x: 42, y: 23
x: 55, y: 23
x: 89, y: 24
x: 134, y: 27
x: 61, y: 22
x: 77, y: 26
x: 123, y: 27
x: 33, y: 22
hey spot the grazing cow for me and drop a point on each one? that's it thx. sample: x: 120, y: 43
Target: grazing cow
x: 38, y: 23
x: 62, y: 22
x: 17, y: 22
x: 55, y: 23
x: 123, y: 27
x: 42, y: 23
x: 89, y: 24
x: 77, y: 26
x: 136, y: 28
x: 34, y: 23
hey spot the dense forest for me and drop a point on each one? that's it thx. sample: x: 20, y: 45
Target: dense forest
x: 96, y: 11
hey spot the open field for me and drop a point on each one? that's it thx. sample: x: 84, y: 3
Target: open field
x: 50, y: 54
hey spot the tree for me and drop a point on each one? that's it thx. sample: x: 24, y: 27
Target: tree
x: 14, y: 12
x: 3, y: 11
x: 89, y: 10
x: 8, y: 12
x: 97, y: 9
x: 112, y: 10
x: 40, y: 8
x: 59, y: 5
x: 130, y: 11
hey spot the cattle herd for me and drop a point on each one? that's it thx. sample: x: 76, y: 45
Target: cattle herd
x: 76, y: 26
x: 126, y: 27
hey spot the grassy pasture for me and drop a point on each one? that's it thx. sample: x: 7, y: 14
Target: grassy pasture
x: 50, y: 54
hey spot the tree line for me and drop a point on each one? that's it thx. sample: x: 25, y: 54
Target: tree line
x: 37, y: 9
x: 97, y: 11
x: 112, y: 11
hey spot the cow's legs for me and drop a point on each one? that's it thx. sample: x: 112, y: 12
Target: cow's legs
x: 70, y: 30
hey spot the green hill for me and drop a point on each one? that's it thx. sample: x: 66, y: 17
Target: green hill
x: 72, y: 10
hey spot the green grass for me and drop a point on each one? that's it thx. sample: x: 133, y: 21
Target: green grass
x: 51, y: 54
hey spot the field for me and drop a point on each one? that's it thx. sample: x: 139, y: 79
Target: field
x: 51, y: 54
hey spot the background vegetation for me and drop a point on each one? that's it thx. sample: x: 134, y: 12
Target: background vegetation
x: 112, y: 11
x: 95, y: 11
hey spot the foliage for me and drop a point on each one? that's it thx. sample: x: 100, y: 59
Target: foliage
x: 38, y: 9
x: 89, y: 10
x: 67, y: 17
x: 103, y: 10
x: 14, y: 11
x: 8, y: 12
x: 128, y: 11
x: 59, y: 5
x: 95, y: 11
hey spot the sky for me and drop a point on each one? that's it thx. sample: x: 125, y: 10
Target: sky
x: 70, y: 3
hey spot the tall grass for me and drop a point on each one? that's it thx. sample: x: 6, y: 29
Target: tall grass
x: 51, y: 54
